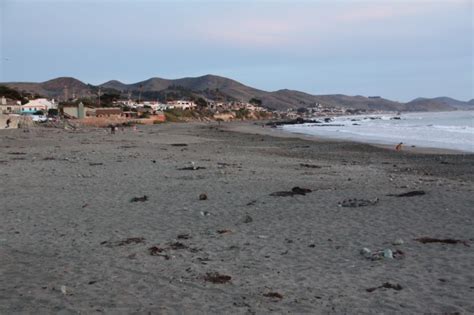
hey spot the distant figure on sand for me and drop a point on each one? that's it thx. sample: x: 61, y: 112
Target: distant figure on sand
x: 399, y: 146
x: 8, y: 123
x: 112, y: 129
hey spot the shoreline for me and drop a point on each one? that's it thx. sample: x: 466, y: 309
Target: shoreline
x: 249, y: 127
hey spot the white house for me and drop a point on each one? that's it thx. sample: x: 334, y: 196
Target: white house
x: 37, y: 105
x: 181, y: 104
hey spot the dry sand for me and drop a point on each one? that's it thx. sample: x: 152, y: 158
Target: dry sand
x: 67, y: 219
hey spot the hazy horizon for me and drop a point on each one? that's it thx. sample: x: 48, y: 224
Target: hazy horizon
x: 399, y: 50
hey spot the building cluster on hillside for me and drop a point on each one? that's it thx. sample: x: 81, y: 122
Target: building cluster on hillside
x: 213, y: 106
x: 319, y: 109
x: 154, y: 110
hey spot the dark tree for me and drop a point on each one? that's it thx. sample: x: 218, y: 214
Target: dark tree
x: 255, y: 101
x: 200, y: 102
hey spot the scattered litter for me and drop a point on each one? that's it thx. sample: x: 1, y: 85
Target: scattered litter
x: 85, y: 205
x: 64, y: 290
x: 354, y: 203
x: 382, y: 254
x: 17, y: 153
x: 409, y: 194
x: 191, y: 168
x: 141, y: 199
x: 294, y: 191
x: 155, y: 250
x: 426, y: 240
x: 224, y: 231
x: 386, y: 285
x: 202, y: 197
x: 177, y: 245
x: 127, y: 241
x: 398, y: 241
x: 205, y: 213
x: 95, y: 164
x: 131, y: 240
x: 49, y: 158
x: 179, y: 145
x: 161, y: 251
x: 274, y: 295
x: 251, y: 203
x: 183, y: 236
x: 216, y: 277
x: 366, y: 252
x: 248, y: 219
x: 387, y: 253
x: 310, y: 165
x: 222, y: 164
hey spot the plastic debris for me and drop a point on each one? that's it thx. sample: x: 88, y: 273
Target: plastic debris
x: 398, y: 241
x: 387, y: 253
x: 354, y: 203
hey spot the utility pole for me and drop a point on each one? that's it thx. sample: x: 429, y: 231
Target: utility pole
x: 99, y: 95
x: 140, y: 94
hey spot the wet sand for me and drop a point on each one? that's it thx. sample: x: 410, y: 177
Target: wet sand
x: 71, y: 240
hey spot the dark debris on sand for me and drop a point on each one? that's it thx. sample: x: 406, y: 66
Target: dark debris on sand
x: 386, y: 285
x: 273, y: 295
x: 191, y: 168
x: 409, y: 194
x: 183, y: 236
x: 294, y: 191
x: 310, y: 165
x: 127, y: 241
x: 139, y: 199
x: 427, y: 240
x: 217, y: 278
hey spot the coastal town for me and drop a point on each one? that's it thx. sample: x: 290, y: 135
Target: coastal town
x: 41, y: 110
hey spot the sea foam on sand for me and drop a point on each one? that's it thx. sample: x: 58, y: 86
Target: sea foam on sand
x: 445, y: 130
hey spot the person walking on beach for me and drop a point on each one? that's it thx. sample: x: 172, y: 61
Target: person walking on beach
x: 399, y: 146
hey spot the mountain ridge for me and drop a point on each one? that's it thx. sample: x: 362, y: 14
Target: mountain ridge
x: 211, y: 84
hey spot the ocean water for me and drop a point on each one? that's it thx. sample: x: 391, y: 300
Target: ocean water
x: 446, y: 130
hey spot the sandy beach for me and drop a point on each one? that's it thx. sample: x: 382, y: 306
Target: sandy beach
x: 232, y: 219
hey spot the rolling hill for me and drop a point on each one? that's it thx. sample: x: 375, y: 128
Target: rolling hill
x: 210, y: 85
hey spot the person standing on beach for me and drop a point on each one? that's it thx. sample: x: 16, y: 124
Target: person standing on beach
x: 8, y: 123
x: 399, y: 146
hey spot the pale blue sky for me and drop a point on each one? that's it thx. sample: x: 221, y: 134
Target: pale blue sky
x: 399, y: 49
